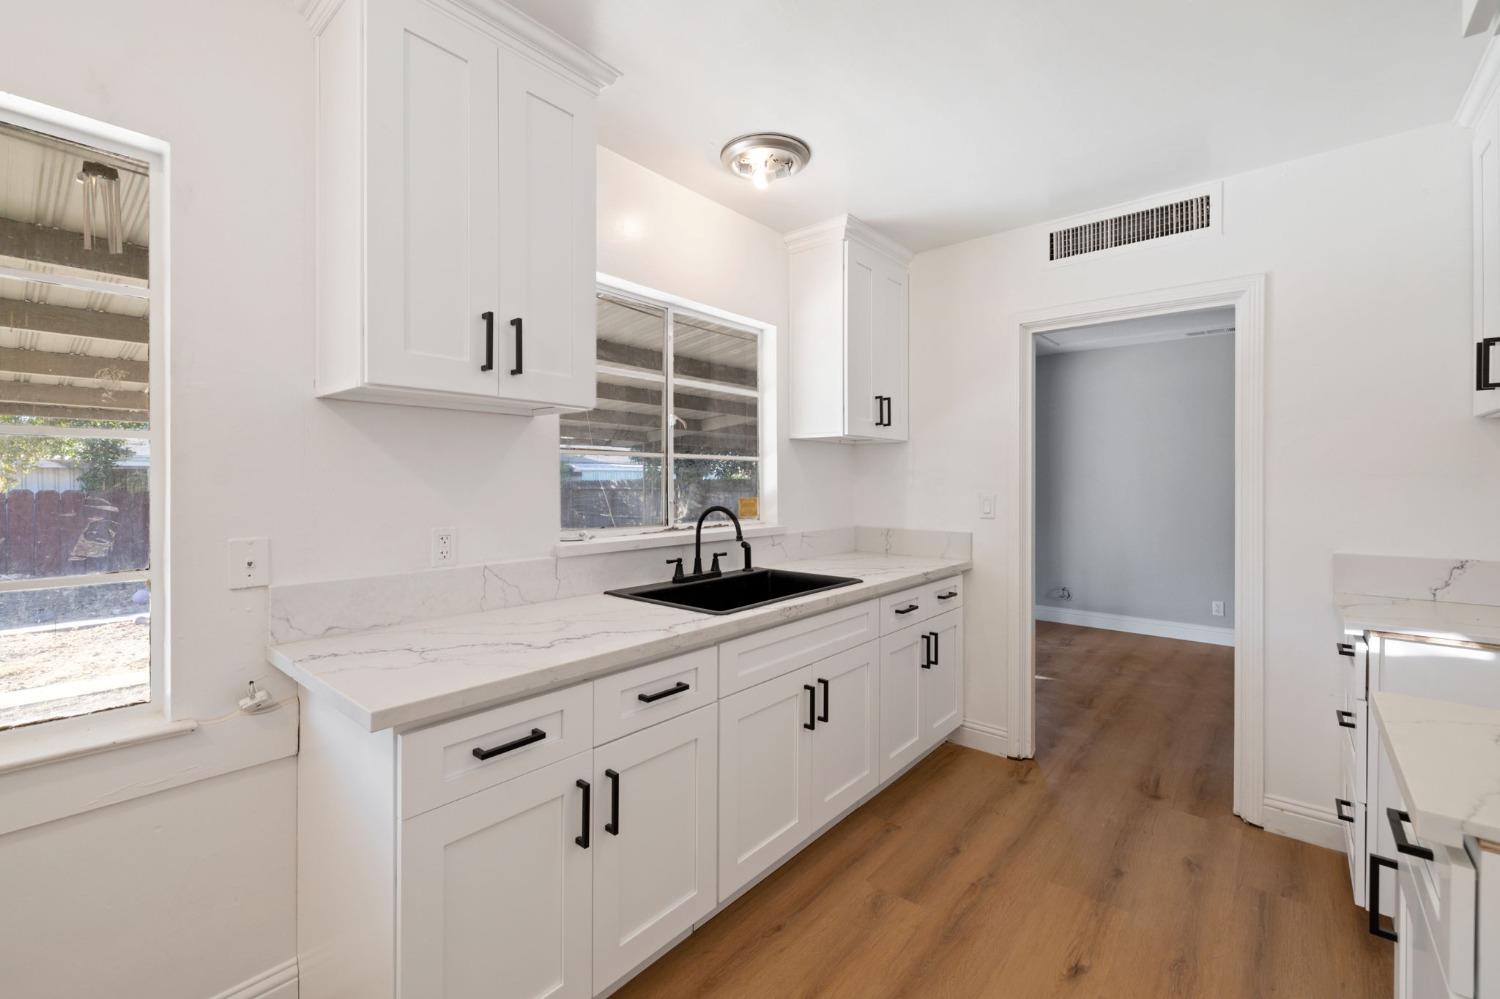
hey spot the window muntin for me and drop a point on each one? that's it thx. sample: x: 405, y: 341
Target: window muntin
x: 78, y: 487
x: 615, y: 458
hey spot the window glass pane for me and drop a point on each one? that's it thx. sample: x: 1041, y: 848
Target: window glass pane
x: 610, y: 490
x: 704, y: 482
x: 70, y: 506
x: 73, y: 650
x: 711, y: 421
x: 629, y: 415
x: 707, y: 351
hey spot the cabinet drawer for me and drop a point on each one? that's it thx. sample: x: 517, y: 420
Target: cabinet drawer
x: 438, y: 763
x: 1443, y: 891
x: 1352, y: 745
x: 1351, y: 814
x: 746, y: 661
x: 946, y: 594
x: 637, y: 698
x: 918, y: 603
x: 1353, y: 659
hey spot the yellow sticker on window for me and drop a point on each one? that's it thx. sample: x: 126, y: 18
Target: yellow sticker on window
x: 749, y: 507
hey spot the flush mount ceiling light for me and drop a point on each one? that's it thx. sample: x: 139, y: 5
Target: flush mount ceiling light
x: 765, y: 156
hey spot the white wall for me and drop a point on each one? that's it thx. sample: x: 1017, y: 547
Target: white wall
x: 1135, y: 480
x: 1370, y: 445
x: 341, y: 489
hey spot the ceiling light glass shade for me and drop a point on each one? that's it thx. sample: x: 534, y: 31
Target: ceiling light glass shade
x: 765, y: 156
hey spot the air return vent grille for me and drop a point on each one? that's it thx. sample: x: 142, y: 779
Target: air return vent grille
x: 1132, y: 227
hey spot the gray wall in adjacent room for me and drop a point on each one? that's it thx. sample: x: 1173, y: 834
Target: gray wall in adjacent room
x: 1135, y: 479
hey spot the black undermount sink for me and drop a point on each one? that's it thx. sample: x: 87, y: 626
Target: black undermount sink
x: 735, y: 590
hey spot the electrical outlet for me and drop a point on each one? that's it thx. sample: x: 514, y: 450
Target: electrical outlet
x: 1217, y: 608
x: 249, y: 563
x: 987, y: 504
x: 444, y: 545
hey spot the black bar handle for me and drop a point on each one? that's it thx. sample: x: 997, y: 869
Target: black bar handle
x: 489, y: 341
x: 880, y: 410
x: 1342, y: 715
x: 1484, y: 381
x: 1373, y: 893
x: 824, y: 684
x: 676, y: 688
x: 1346, y: 649
x: 516, y: 324
x: 927, y: 650
x: 613, y: 825
x: 812, y: 707
x: 1397, y: 818
x: 1339, y: 804
x: 907, y: 609
x: 537, y: 735
x: 583, y: 840
x: 948, y: 596
x: 935, y: 656
x: 888, y: 411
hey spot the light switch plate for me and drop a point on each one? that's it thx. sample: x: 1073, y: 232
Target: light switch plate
x: 249, y: 563
x: 987, y: 503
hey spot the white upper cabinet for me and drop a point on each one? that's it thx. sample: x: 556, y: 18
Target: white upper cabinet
x: 848, y: 336
x: 455, y: 208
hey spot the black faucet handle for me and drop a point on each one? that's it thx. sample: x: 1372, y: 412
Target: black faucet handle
x: 715, y: 566
x: 677, y: 573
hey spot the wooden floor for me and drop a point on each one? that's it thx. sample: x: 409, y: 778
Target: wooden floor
x: 1109, y: 866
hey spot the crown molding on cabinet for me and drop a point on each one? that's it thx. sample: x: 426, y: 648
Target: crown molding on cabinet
x: 845, y: 227
x: 589, y: 69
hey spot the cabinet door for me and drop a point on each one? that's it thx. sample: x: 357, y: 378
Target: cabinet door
x: 943, y: 677
x: 655, y: 839
x: 901, y: 691
x: 547, y: 238
x: 432, y: 133
x: 846, y: 742
x: 495, y: 891
x: 1486, y: 180
x: 764, y: 770
x: 863, y: 411
x: 888, y: 346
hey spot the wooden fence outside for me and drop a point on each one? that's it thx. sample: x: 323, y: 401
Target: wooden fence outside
x: 51, y: 533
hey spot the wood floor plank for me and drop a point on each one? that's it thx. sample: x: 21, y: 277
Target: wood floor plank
x: 1110, y: 866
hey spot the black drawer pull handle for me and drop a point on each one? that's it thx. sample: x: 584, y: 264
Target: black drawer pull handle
x: 489, y: 341
x: 676, y: 688
x: 824, y: 684
x: 1397, y: 819
x: 583, y: 840
x: 1484, y: 381
x: 1339, y: 804
x: 537, y: 735
x: 948, y: 596
x: 613, y: 825
x: 1373, y: 891
x: 1346, y: 649
x: 812, y: 707
x: 1342, y: 715
x: 927, y: 651
x: 516, y: 323
x: 907, y: 609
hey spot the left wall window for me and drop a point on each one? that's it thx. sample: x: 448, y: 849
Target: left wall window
x: 80, y: 497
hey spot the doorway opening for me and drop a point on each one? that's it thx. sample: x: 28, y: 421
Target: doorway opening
x: 1152, y: 510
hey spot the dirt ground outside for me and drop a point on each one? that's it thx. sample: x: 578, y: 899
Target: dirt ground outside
x: 48, y: 673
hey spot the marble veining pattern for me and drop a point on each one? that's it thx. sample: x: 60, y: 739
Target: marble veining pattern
x: 419, y: 670
x: 1447, y: 762
x: 1432, y: 619
x: 1459, y: 581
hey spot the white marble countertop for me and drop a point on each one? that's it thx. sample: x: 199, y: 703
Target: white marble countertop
x: 409, y: 674
x: 1447, y: 761
x: 1477, y: 623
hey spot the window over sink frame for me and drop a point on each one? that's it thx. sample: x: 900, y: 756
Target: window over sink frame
x: 675, y: 509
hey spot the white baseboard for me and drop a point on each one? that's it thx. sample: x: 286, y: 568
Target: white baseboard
x: 982, y: 736
x: 279, y: 982
x: 1302, y: 821
x: 1136, y: 625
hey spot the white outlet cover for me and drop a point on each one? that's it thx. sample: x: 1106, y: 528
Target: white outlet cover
x: 249, y: 563
x: 444, y: 545
x: 987, y: 504
x: 1217, y: 608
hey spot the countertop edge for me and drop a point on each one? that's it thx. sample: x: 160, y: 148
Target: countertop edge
x: 717, y: 629
x: 1428, y: 825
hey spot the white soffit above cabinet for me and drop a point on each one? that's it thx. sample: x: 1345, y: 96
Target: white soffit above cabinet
x: 1130, y: 332
x: 942, y: 122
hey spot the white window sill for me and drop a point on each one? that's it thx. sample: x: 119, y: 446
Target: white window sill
x: 72, y: 738
x: 601, y: 544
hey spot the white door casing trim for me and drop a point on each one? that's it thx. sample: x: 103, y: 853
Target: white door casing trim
x: 1246, y: 294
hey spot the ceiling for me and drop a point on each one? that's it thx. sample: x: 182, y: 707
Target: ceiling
x: 1133, y: 332
x: 941, y: 121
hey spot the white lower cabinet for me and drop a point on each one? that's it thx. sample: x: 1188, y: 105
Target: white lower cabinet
x: 765, y: 772
x: 845, y: 742
x: 654, y: 840
x: 495, y: 891
x: 921, y: 688
x: 942, y: 677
